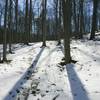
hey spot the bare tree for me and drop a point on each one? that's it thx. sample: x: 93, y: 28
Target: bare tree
x: 16, y: 15
x: 44, y: 5
x: 59, y: 22
x: 30, y: 19
x: 66, y: 8
x: 94, y: 19
x: 74, y: 16
x: 56, y: 16
x: 10, y: 17
x: 81, y: 19
x: 5, y: 32
x: 26, y: 23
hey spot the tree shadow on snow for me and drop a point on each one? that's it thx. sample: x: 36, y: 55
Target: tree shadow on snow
x: 18, y: 86
x: 77, y: 88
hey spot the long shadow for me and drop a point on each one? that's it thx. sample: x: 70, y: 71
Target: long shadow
x: 18, y: 86
x: 77, y: 88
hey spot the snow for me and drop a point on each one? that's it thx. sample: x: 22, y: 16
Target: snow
x: 35, y: 74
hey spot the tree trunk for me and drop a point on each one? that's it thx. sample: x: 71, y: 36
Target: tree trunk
x: 94, y: 19
x: 30, y: 19
x: 66, y: 7
x: 59, y: 22
x: 74, y: 16
x: 5, y: 32
x: 10, y: 26
x: 26, y: 25
x: 81, y: 19
x: 16, y: 16
x: 44, y: 4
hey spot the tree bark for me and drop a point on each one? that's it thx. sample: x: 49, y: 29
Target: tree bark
x: 44, y: 4
x: 10, y: 26
x: 66, y: 8
x: 5, y: 32
x: 16, y: 16
x: 81, y: 19
x: 26, y: 25
x: 94, y: 19
x: 30, y: 19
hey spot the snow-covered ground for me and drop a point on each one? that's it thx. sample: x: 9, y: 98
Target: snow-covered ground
x: 35, y: 74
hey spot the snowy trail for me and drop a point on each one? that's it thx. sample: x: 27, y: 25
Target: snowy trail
x: 52, y: 82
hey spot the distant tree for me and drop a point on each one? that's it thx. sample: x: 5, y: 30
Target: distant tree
x: 44, y: 8
x: 5, y: 32
x: 26, y: 24
x: 81, y: 19
x: 16, y: 16
x: 75, y: 17
x: 94, y: 19
x: 10, y: 17
x: 30, y: 19
x: 59, y: 22
x: 56, y: 16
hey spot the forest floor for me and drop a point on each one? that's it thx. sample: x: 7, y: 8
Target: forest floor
x: 35, y: 74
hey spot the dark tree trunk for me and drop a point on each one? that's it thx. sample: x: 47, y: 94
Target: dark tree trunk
x: 10, y: 26
x: 74, y: 16
x: 16, y: 15
x: 94, y: 19
x: 66, y: 7
x: 56, y: 17
x: 81, y: 19
x: 59, y: 22
x: 5, y: 32
x: 30, y: 19
x: 44, y: 4
x: 26, y: 25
